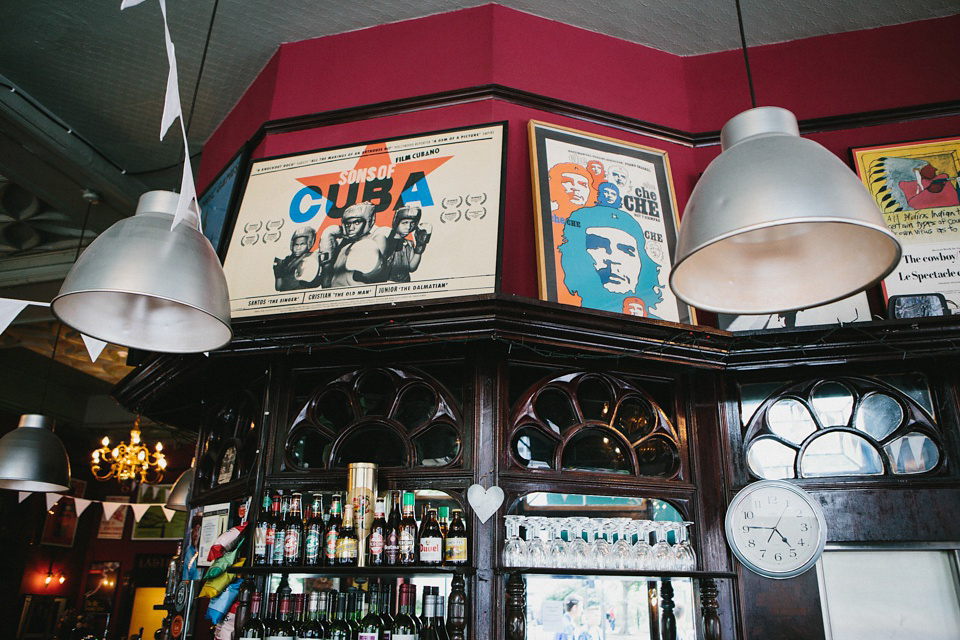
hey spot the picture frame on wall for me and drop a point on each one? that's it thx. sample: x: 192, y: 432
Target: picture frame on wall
x: 606, y: 218
x: 60, y: 525
x: 916, y: 186
x: 219, y: 199
x: 855, y: 308
x: 305, y: 241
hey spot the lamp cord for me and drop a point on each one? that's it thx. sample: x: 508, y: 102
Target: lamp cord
x: 746, y: 58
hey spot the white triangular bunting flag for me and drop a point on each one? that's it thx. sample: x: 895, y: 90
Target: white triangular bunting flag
x: 52, y: 499
x: 24, y: 495
x: 187, y: 207
x: 169, y: 513
x: 139, y: 510
x: 81, y: 505
x: 129, y: 3
x: 94, y: 346
x: 10, y: 309
x: 109, y: 508
x: 172, y: 108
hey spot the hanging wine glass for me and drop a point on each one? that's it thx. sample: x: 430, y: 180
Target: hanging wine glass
x: 600, y: 546
x: 557, y: 548
x: 581, y: 554
x: 536, y: 551
x: 622, y: 555
x: 663, y: 558
x: 642, y: 557
x: 686, y: 559
x: 514, y: 549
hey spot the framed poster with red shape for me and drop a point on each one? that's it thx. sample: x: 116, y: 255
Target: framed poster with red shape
x: 915, y: 184
x: 606, y: 223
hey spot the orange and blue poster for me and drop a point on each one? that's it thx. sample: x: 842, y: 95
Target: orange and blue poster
x: 606, y: 223
x: 915, y: 184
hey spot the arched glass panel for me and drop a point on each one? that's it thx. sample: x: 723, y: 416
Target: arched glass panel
x: 308, y: 449
x: 840, y: 453
x: 533, y: 450
x: 376, y: 390
x: 789, y: 419
x: 372, y: 443
x: 635, y: 418
x: 770, y: 459
x: 418, y: 404
x: 437, y: 446
x: 879, y: 415
x: 595, y: 450
x: 595, y: 399
x: 833, y: 403
x: 657, y: 456
x: 913, y: 453
x: 334, y: 410
x: 556, y: 410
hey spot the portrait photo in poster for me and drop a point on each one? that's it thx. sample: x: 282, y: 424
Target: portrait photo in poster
x: 406, y: 219
x: 606, y: 223
x: 915, y: 184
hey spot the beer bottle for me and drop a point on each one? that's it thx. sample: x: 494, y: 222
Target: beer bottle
x: 314, y: 535
x: 378, y: 531
x: 272, y: 519
x: 347, y: 543
x: 293, y: 534
x: 408, y: 531
x: 431, y: 541
x: 260, y: 533
x: 391, y: 544
x: 280, y: 535
x: 443, y: 517
x: 456, y: 541
x: 333, y: 531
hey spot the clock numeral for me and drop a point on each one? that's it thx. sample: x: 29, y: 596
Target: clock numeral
x: 802, y: 543
x: 763, y: 553
x: 799, y: 513
x: 745, y: 529
x: 772, y: 499
x: 757, y: 504
x: 751, y: 543
x: 748, y: 515
x: 804, y: 526
x: 778, y: 557
x: 793, y: 553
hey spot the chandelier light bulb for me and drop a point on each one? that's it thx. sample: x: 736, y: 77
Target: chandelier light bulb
x: 105, y: 441
x: 159, y: 446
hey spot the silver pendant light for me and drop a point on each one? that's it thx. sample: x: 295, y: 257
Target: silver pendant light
x: 777, y: 222
x: 32, y: 458
x: 141, y: 284
x: 177, y: 498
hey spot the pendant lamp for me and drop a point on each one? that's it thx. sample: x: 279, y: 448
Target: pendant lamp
x: 777, y: 222
x: 142, y: 284
x: 177, y: 498
x: 32, y: 458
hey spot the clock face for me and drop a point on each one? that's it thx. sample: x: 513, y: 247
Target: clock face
x: 775, y: 528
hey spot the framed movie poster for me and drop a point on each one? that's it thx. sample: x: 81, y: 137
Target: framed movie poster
x: 399, y: 220
x: 606, y: 223
x: 219, y: 199
x: 915, y: 185
x: 856, y: 308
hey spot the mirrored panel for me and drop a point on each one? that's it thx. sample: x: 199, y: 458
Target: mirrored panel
x: 840, y: 453
x: 878, y: 415
x: 770, y: 459
x: 790, y: 419
x: 556, y: 410
x: 657, y: 456
x: 833, y: 403
x: 307, y: 449
x: 596, y: 450
x: 376, y: 390
x: 635, y: 418
x: 334, y: 410
x: 418, y: 404
x: 437, y: 446
x: 595, y: 398
x: 372, y: 443
x: 913, y: 453
x: 533, y: 449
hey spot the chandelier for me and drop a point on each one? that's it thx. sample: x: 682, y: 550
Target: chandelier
x: 129, y: 462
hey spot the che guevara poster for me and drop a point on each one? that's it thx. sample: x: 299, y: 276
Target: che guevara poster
x: 606, y: 223
x: 389, y: 221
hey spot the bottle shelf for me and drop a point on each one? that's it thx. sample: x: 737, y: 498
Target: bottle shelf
x: 616, y: 572
x: 403, y: 570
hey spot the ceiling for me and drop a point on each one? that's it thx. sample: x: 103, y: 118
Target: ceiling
x: 81, y: 95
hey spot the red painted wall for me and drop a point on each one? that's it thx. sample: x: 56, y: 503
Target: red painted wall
x: 869, y: 70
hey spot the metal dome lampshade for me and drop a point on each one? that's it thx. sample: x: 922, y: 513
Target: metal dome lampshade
x: 141, y: 284
x: 777, y: 223
x: 32, y: 458
x: 177, y: 498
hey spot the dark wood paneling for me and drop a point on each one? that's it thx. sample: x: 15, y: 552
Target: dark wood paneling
x: 781, y: 609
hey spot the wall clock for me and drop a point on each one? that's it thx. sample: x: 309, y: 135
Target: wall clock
x: 775, y: 528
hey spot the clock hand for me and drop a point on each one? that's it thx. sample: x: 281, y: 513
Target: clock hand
x: 781, y: 516
x: 787, y: 542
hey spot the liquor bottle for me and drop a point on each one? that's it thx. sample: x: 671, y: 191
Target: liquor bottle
x: 280, y: 535
x: 353, y: 613
x: 273, y: 519
x: 323, y: 613
x: 438, y: 620
x: 404, y: 625
x: 455, y: 544
x: 408, y: 531
x: 339, y: 629
x: 310, y: 626
x: 333, y: 531
x: 457, y: 610
x: 347, y: 544
x: 429, y: 630
x: 281, y: 628
x: 314, y: 533
x: 378, y: 529
x: 391, y: 544
x: 422, y: 618
x: 260, y: 533
x: 371, y: 626
x: 443, y: 517
x: 431, y: 541
x: 299, y: 607
x: 253, y: 627
x: 386, y: 610
x: 271, y: 613
x: 293, y: 534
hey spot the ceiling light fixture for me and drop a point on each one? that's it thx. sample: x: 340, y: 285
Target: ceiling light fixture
x: 131, y: 462
x: 177, y: 498
x: 777, y: 222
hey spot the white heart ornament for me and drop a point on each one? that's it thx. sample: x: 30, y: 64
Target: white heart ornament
x: 484, y: 502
